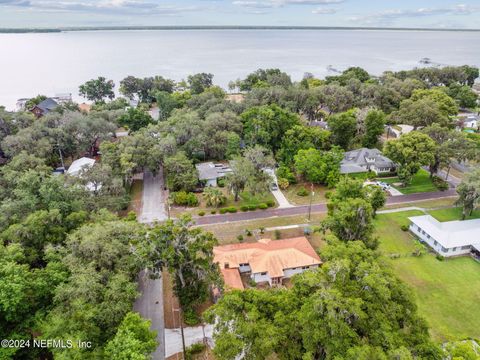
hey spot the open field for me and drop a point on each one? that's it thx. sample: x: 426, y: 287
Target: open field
x: 447, y: 292
x: 421, y: 182
x: 318, y: 197
x: 454, y: 213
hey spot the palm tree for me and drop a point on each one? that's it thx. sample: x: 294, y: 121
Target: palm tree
x: 214, y: 196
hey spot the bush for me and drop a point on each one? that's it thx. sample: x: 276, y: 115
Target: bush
x: 252, y: 207
x: 262, y: 230
x: 183, y: 198
x: 439, y: 257
x: 252, y: 283
x: 213, y: 212
x: 240, y: 238
x: 270, y: 203
x: 222, y: 210
x: 201, y: 213
x: 328, y: 194
x: 248, y: 232
x: 131, y: 216
x: 302, y: 191
x: 277, y: 234
x: 194, y: 349
x: 283, y: 183
x: 244, y: 208
x: 440, y: 184
x: 284, y: 172
x: 404, y: 227
x: 190, y: 317
x: 263, y: 206
x: 231, y: 209
x: 221, y: 182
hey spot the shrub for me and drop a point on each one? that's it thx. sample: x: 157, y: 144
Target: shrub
x: 270, y: 203
x: 439, y: 257
x: 131, y: 216
x: 231, y: 209
x: 328, y: 194
x: 404, y: 227
x: 244, y: 208
x: 222, y: 210
x: 240, y: 238
x: 263, y: 206
x: 201, y: 213
x: 190, y: 317
x: 283, y: 183
x: 221, y: 182
x: 213, y: 212
x: 284, y: 172
x: 252, y: 207
x: 277, y: 234
x: 183, y: 198
x: 440, y: 184
x: 248, y: 232
x: 194, y: 349
x: 252, y: 283
x: 302, y: 191
x: 262, y: 230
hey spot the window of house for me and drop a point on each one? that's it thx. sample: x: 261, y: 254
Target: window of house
x: 466, y: 247
x: 454, y: 249
x: 444, y: 249
x: 263, y: 273
x: 435, y: 243
x: 428, y: 236
x: 305, y: 267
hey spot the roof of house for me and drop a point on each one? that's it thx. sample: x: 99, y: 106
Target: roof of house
x: 232, y: 278
x: 451, y: 233
x: 79, y: 165
x: 209, y: 170
x: 47, y: 105
x: 271, y: 256
x: 355, y: 159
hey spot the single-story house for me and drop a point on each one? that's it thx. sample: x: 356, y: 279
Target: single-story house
x: 265, y: 261
x: 78, y: 165
x: 451, y: 238
x: 44, y: 107
x: 364, y: 160
x: 209, y: 173
x: 471, y: 121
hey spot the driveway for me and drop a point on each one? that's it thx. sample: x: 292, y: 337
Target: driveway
x: 193, y: 335
x: 281, y: 199
x: 153, y: 198
x: 150, y: 306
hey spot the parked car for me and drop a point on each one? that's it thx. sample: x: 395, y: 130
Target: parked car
x: 383, y: 185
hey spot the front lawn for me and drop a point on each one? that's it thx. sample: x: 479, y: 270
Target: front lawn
x: 447, y: 292
x: 451, y: 214
x: 421, y: 182
x: 293, y: 198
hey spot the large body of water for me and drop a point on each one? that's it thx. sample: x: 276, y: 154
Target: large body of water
x: 51, y: 63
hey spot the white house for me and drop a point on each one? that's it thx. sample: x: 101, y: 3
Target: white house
x: 265, y: 261
x: 209, y: 173
x: 364, y: 160
x: 471, y: 121
x: 451, y: 238
x: 80, y: 165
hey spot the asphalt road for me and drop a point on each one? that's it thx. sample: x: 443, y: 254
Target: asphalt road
x: 150, y: 306
x: 317, y: 208
x: 153, y: 198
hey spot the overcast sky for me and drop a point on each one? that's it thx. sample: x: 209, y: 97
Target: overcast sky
x: 401, y: 13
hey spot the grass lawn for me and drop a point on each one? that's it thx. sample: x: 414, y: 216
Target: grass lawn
x: 454, y: 213
x: 293, y: 198
x: 421, y: 182
x: 447, y: 292
x: 245, y: 199
x: 427, y: 204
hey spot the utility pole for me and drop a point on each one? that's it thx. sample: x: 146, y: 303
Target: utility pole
x: 311, y: 199
x: 181, y: 330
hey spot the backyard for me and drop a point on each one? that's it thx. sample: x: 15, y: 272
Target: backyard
x: 454, y: 213
x: 421, y: 182
x: 447, y: 292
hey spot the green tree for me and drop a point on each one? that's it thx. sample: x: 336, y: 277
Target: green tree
x: 133, y: 341
x: 319, y: 167
x: 420, y: 113
x: 374, y: 128
x: 411, y: 151
x: 97, y: 89
x: 463, y: 95
x: 343, y: 127
x: 469, y: 193
x: 181, y: 173
x: 135, y: 118
x: 198, y: 83
x: 166, y: 103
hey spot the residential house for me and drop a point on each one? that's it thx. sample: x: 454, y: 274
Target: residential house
x: 265, y: 261
x: 80, y: 165
x: 471, y: 121
x: 364, y: 160
x: 451, y: 238
x: 44, y: 107
x: 209, y: 173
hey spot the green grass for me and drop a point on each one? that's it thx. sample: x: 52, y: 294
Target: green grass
x: 293, y: 198
x: 421, y: 182
x: 451, y: 214
x: 447, y: 292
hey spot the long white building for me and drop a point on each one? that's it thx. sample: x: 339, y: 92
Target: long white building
x: 451, y: 238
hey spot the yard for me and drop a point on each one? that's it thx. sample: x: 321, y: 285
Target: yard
x: 447, y: 292
x: 421, y: 182
x: 245, y: 198
x: 454, y: 213
x: 292, y: 194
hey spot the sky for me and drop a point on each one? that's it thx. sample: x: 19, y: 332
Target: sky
x: 371, y: 13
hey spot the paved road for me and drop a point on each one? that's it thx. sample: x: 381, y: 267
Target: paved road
x: 153, y: 198
x: 150, y: 306
x: 317, y: 208
x: 193, y: 335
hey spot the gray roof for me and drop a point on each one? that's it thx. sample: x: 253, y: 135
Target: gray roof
x: 451, y: 233
x: 47, y: 105
x: 210, y: 171
x: 355, y: 159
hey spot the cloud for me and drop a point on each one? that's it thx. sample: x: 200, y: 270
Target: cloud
x: 267, y: 4
x: 324, y: 11
x: 389, y: 16
x: 14, y: 3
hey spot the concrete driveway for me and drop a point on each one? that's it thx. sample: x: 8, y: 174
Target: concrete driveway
x: 281, y: 199
x: 150, y: 306
x: 193, y: 335
x: 153, y: 198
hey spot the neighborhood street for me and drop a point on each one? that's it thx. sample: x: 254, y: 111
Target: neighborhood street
x: 153, y: 198
x: 316, y: 208
x: 150, y: 306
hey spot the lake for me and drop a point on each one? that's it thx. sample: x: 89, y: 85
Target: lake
x: 52, y: 63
